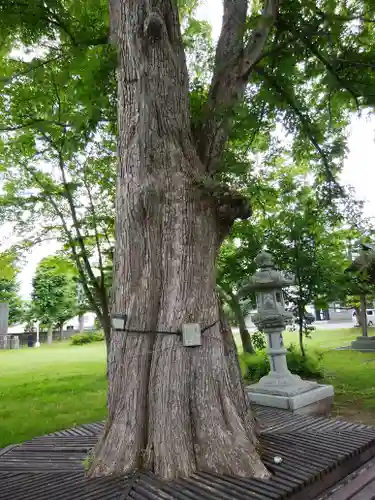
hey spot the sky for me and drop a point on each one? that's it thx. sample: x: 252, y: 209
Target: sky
x: 358, y: 169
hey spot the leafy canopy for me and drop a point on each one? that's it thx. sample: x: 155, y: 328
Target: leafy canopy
x: 54, y: 293
x: 9, y: 286
x: 58, y: 117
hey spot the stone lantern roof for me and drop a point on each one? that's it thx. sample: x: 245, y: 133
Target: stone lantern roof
x: 267, y: 277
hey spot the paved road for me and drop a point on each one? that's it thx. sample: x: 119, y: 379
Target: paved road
x: 332, y: 325
x: 319, y: 325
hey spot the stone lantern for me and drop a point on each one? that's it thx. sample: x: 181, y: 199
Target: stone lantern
x: 280, y: 388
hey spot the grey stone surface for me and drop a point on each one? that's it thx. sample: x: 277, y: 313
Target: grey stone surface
x: 316, y: 401
x: 4, y: 341
x: 282, y: 384
x: 4, y: 316
x: 364, y: 344
x: 321, y: 408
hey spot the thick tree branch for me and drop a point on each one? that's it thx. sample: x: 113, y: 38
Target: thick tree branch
x: 73, y: 211
x: 76, y: 224
x: 258, y: 38
x: 103, y: 292
x: 234, y: 62
x: 31, y: 123
x: 223, y: 293
x: 70, y: 239
x: 344, y: 19
x: 330, y: 68
x: 33, y: 66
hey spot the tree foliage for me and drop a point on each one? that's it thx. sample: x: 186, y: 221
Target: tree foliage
x: 8, y: 269
x: 58, y: 100
x: 54, y: 292
x: 307, y: 240
x: 9, y: 286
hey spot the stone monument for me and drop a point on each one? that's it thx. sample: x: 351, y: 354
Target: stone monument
x: 280, y: 388
x: 15, y: 342
x: 4, y: 315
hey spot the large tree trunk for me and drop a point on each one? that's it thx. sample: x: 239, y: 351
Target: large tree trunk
x: 171, y: 409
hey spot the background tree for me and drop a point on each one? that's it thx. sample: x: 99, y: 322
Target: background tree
x: 71, y: 201
x: 236, y: 262
x: 308, y: 244
x: 57, y: 111
x: 361, y: 283
x: 7, y: 265
x: 9, y: 286
x: 54, y: 293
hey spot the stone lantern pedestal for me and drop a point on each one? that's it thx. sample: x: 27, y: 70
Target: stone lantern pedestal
x: 364, y: 344
x: 280, y: 388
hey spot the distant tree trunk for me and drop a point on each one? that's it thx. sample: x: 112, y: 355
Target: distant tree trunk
x: 358, y: 315
x: 301, y: 311
x: 168, y: 232
x: 61, y: 331
x: 363, y: 315
x: 317, y: 314
x: 244, y: 332
x: 50, y: 334
x: 106, y: 325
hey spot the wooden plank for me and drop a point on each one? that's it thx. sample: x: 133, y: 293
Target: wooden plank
x: 315, y: 452
x: 367, y: 493
x: 354, y: 485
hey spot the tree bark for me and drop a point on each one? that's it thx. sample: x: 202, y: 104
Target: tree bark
x: 50, y: 334
x: 358, y: 315
x: 61, y: 331
x: 302, y: 347
x: 300, y: 329
x: 171, y: 409
x: 363, y: 315
x: 317, y: 314
x: 326, y: 315
x: 244, y: 332
x: 106, y: 325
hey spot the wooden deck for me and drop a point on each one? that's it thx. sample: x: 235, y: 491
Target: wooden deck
x: 317, y: 453
x: 359, y: 485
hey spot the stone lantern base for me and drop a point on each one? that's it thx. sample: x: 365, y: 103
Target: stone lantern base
x: 364, y: 344
x: 290, y: 392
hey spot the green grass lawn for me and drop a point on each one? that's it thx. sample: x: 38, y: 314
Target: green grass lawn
x: 325, y: 339
x: 353, y: 376
x: 55, y: 387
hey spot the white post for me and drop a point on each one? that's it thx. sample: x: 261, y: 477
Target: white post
x: 37, y: 343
